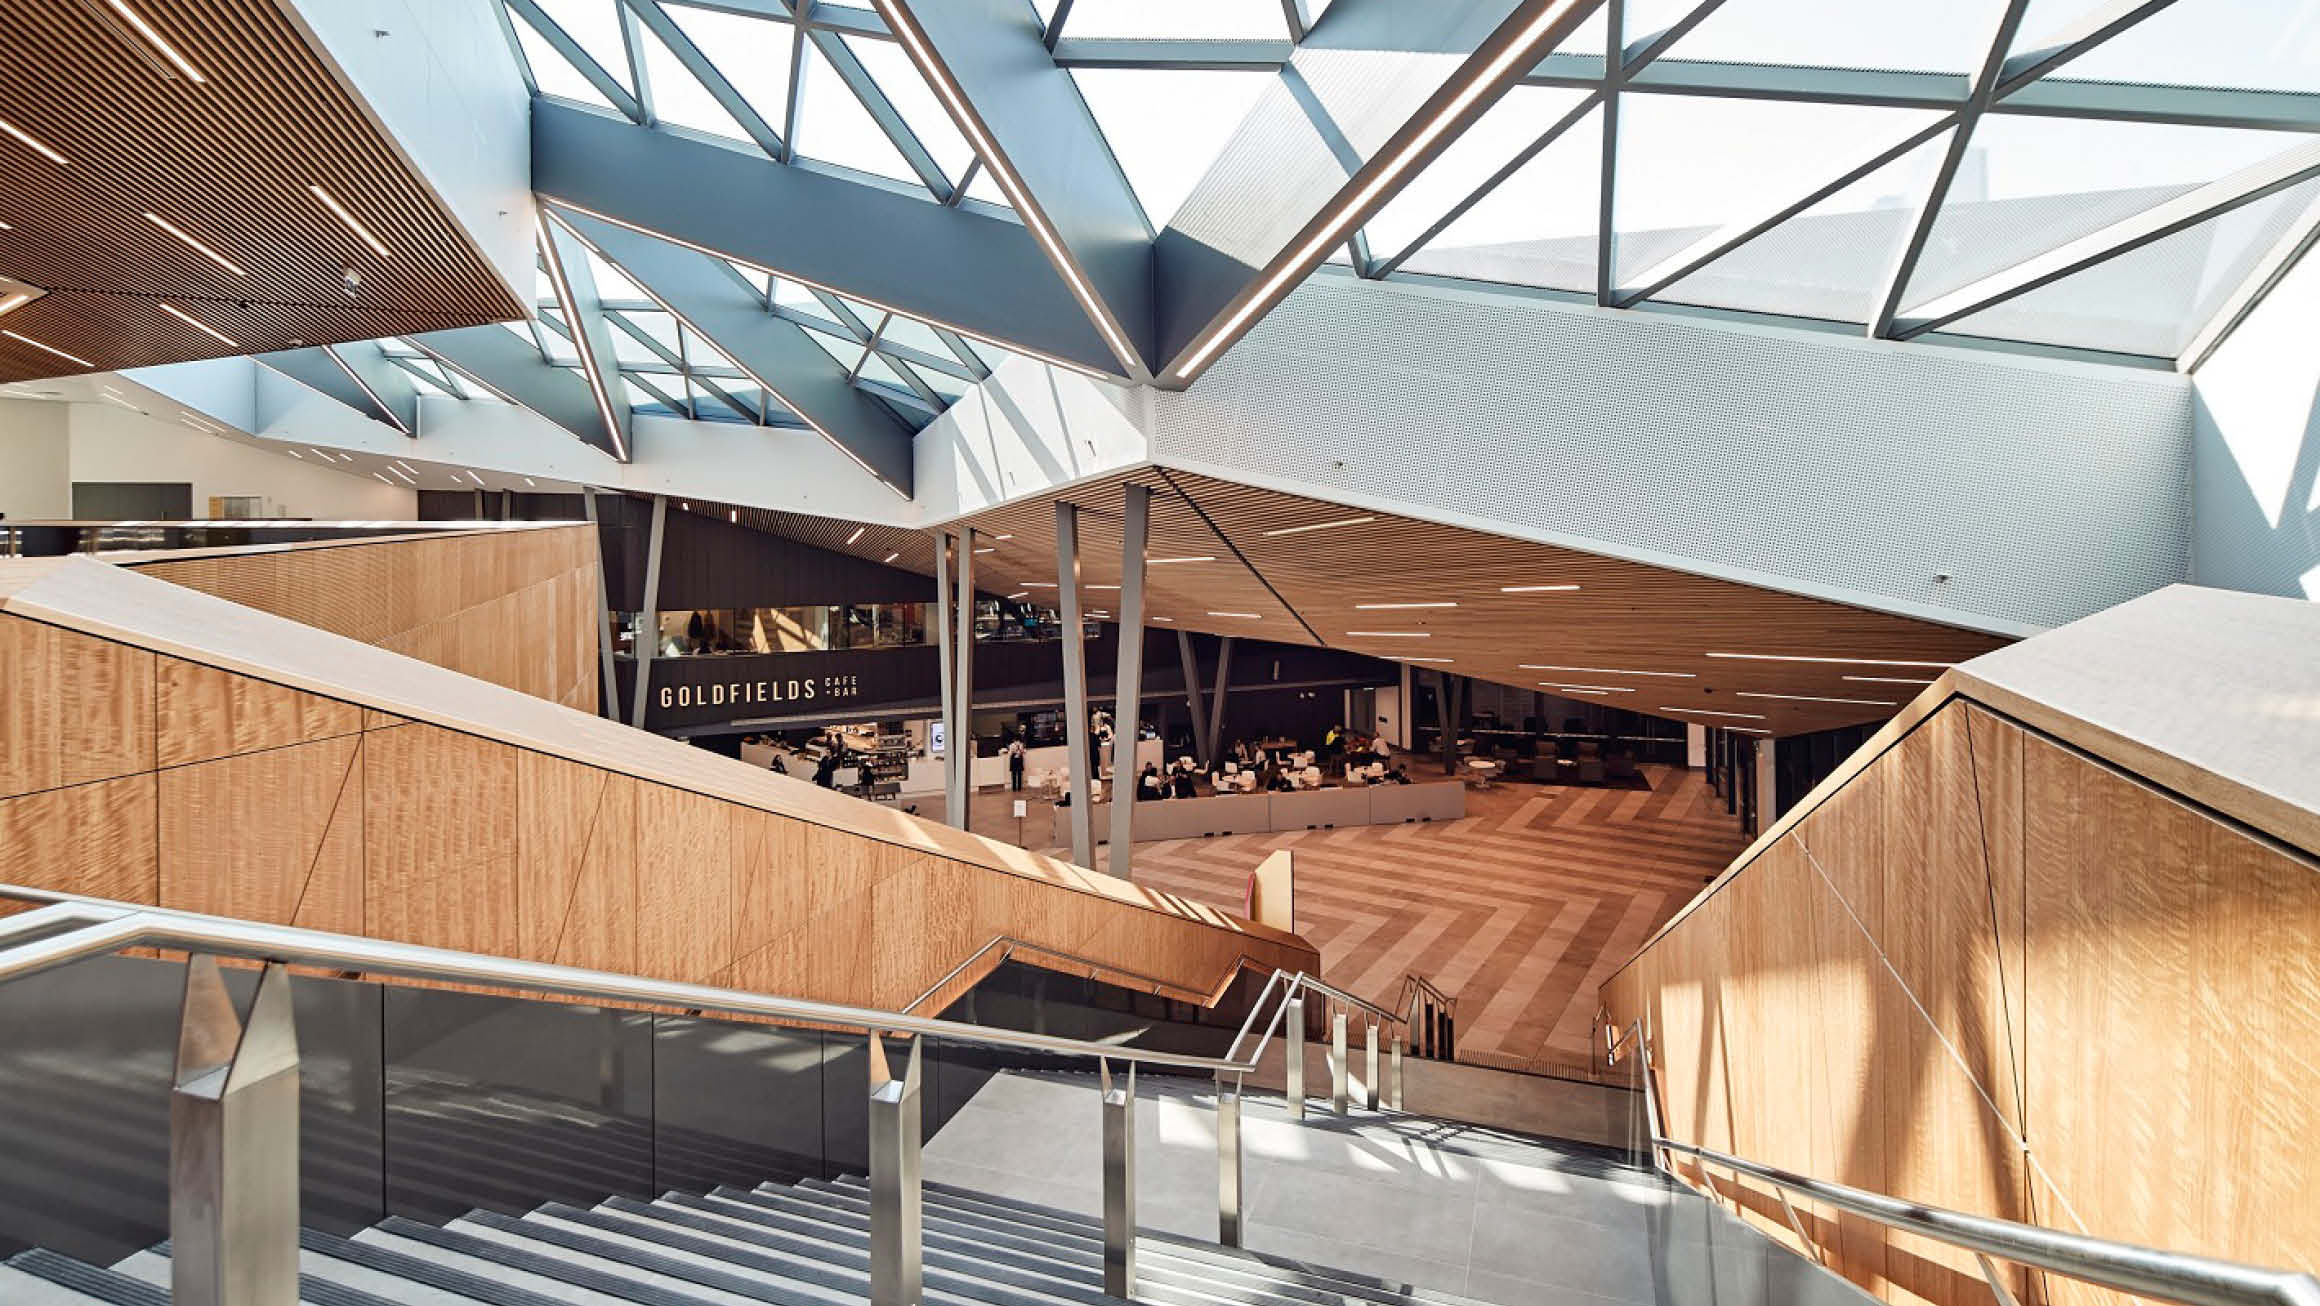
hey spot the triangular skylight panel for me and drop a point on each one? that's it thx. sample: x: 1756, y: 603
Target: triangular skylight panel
x: 987, y: 190
x: 1829, y: 262
x: 631, y: 350
x: 846, y: 352
x: 752, y: 53
x: 834, y: 127
x: 910, y: 333
x: 2153, y: 300
x: 550, y: 72
x: 1643, y: 19
x: 1167, y: 126
x: 2030, y: 184
x: 1951, y: 36
x: 801, y: 300
x: 645, y: 400
x: 708, y: 407
x: 1198, y: 20
x: 2261, y: 45
x: 877, y: 368
x: 595, y: 26
x: 1514, y: 124
x: 613, y: 285
x: 757, y: 277
x: 922, y: 112
x: 1689, y: 165
x: 699, y: 352
x: 678, y: 98
x: 1536, y: 228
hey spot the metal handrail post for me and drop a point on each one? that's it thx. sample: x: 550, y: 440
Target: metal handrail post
x: 896, y: 1199
x: 1294, y: 1071
x: 1338, y: 1067
x: 1119, y: 1108
x: 1369, y: 1076
x: 1228, y: 1159
x: 233, y: 1145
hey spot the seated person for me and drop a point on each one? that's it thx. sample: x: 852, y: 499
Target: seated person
x: 1396, y: 776
x: 1185, y: 786
x: 1149, y: 784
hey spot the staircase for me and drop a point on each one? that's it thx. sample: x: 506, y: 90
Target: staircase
x: 1618, y: 1232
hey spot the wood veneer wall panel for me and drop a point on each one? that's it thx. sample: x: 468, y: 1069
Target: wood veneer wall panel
x: 96, y: 838
x: 202, y: 713
x: 77, y: 708
x: 2001, y: 935
x: 684, y: 925
x: 440, y: 826
x: 274, y: 835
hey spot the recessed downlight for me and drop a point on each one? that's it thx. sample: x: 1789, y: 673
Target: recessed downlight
x: 892, y: 556
x: 1320, y: 526
x: 28, y: 340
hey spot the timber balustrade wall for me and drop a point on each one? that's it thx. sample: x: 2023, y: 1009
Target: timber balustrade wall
x: 512, y: 605
x: 505, y: 825
x: 1993, y: 973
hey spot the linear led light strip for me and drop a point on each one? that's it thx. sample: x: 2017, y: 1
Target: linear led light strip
x: 214, y: 257
x: 576, y: 314
x: 353, y: 223
x: 197, y: 324
x: 1809, y: 698
x: 1853, y: 662
x: 1701, y: 711
x: 35, y: 142
x: 1889, y: 680
x: 915, y: 315
x: 1587, y: 689
x: 157, y: 41
x: 856, y: 535
x: 72, y: 358
x: 1396, y: 607
x: 1607, y: 671
x: 1536, y: 589
x: 904, y: 24
x: 1515, y: 53
x: 1320, y: 526
x: 1389, y: 634
x: 365, y: 387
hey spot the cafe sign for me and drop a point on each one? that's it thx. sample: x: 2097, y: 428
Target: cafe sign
x: 763, y: 691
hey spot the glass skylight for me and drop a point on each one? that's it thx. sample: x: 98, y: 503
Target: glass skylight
x: 1166, y: 127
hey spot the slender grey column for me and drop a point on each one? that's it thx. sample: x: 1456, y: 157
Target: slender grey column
x: 1448, y: 712
x: 1224, y: 650
x: 1134, y: 527
x: 950, y: 682
x: 1369, y: 1077
x: 1394, y: 1084
x: 963, y: 700
x: 652, y: 610
x: 1203, y: 749
x: 1339, y: 1069
x: 611, y: 705
x: 233, y: 1145
x: 1293, y: 1018
x: 1119, y: 1181
x: 895, y: 1195
x: 1077, y: 760
x: 1228, y: 1159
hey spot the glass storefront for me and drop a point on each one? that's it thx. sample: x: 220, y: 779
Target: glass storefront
x: 711, y: 632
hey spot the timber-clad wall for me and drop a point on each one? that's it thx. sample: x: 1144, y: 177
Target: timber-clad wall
x: 516, y: 607
x: 1991, y: 972
x: 146, y: 775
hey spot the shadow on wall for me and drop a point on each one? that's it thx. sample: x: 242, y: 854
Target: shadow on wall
x: 2256, y: 449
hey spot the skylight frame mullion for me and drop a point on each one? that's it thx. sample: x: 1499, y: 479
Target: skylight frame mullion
x: 638, y: 333
x: 1055, y: 24
x: 919, y: 358
x: 680, y: 44
x: 865, y: 88
x: 847, y: 319
x: 2084, y: 32
x: 797, y: 91
x: 911, y: 378
x: 582, y: 62
x: 1572, y: 117
x: 1617, y: 68
x: 726, y: 397
x: 2285, y: 253
x: 638, y: 379
x: 960, y: 346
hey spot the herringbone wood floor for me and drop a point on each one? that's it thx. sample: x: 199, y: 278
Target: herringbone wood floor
x: 1521, y: 909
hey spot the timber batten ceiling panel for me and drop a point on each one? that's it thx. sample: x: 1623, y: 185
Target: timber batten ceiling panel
x: 239, y: 238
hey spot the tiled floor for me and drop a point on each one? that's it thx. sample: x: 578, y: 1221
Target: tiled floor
x: 1521, y: 910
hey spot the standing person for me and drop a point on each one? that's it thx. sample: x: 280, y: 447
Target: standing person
x: 1380, y: 748
x: 1015, y: 764
x: 826, y: 770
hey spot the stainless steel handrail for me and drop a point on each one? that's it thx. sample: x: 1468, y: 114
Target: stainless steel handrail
x: 1007, y: 945
x: 105, y: 926
x: 2144, y: 1271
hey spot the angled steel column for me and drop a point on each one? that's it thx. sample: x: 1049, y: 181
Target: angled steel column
x: 895, y: 1196
x: 950, y: 681
x: 651, y: 641
x: 1293, y: 1019
x: 1078, y: 761
x: 1129, y: 680
x: 1228, y: 1159
x: 1224, y: 650
x: 233, y: 1145
x: 611, y: 706
x: 963, y: 698
x: 1203, y: 748
x: 1119, y: 1180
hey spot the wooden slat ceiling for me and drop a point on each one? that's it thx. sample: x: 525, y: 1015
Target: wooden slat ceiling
x: 1625, y: 619
x: 228, y: 161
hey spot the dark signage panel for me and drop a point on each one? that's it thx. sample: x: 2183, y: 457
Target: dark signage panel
x: 823, y: 686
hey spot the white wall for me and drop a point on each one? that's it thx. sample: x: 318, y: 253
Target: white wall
x: 1026, y: 429
x: 35, y: 460
x: 110, y: 443
x: 2256, y: 441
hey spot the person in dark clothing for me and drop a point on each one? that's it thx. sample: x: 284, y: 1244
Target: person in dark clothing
x: 1396, y: 776
x: 1149, y: 784
x: 1184, y: 785
x: 1015, y: 765
x: 826, y: 770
